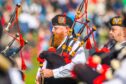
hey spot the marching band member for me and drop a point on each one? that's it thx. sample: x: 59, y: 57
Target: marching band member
x: 61, y: 26
x: 118, y: 63
x: 116, y: 53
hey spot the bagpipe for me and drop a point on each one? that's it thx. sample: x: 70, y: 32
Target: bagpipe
x: 107, y: 63
x: 94, y: 71
x: 18, y: 36
x: 5, y: 54
x: 88, y: 72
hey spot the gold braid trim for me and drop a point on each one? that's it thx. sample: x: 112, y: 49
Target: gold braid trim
x: 75, y: 39
x: 64, y: 46
x: 81, y: 43
x: 78, y: 14
x: 94, y: 28
x: 70, y: 32
x: 78, y: 35
x: 41, y: 64
x: 69, y: 48
x: 73, y: 53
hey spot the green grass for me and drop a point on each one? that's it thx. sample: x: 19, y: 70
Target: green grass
x: 31, y: 73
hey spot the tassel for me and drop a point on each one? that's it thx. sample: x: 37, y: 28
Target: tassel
x: 21, y: 40
x: 88, y: 44
x: 66, y: 57
x: 23, y: 65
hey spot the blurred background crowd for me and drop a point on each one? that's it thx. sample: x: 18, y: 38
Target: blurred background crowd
x: 35, y: 23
